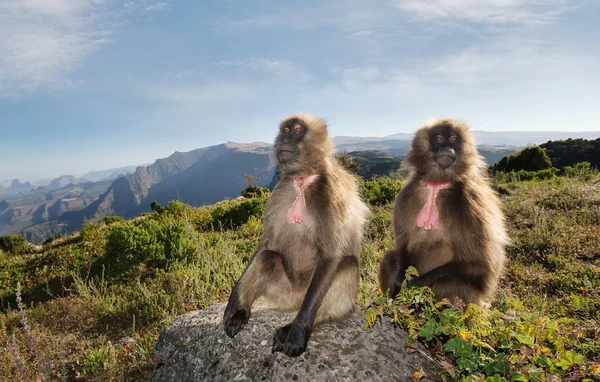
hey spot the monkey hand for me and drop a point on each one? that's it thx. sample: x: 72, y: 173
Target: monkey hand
x: 235, y: 321
x: 416, y: 282
x: 291, y: 339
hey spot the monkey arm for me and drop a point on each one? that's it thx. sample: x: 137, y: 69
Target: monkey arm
x: 244, y: 293
x: 322, y: 279
x: 402, y: 266
x: 292, y: 338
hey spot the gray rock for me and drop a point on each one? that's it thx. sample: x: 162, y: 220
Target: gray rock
x: 195, y: 348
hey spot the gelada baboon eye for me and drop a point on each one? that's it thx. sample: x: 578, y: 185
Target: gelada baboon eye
x: 452, y: 139
x: 297, y: 128
x: 439, y: 138
x: 286, y: 130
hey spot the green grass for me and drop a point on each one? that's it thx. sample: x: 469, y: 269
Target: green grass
x: 96, y: 302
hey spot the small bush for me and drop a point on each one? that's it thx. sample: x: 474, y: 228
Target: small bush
x: 93, y: 239
x: 533, y: 158
x: 524, y: 175
x: 14, y: 245
x: 234, y: 213
x: 52, y: 239
x: 380, y: 191
x: 155, y: 243
x: 255, y: 191
x: 108, y: 220
x: 95, y: 360
x: 581, y: 170
x: 156, y: 207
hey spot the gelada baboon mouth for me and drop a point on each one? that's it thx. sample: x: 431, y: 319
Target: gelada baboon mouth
x: 445, y: 161
x: 285, y: 154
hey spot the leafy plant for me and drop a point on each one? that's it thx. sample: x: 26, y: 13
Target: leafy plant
x: 14, y: 245
x: 532, y: 158
x: 483, y: 343
x: 380, y: 191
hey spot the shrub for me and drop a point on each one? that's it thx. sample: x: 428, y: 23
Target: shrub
x: 532, y: 158
x: 52, y: 239
x: 255, y: 191
x: 95, y: 360
x: 14, y: 245
x: 380, y: 191
x: 177, y: 208
x: 234, y: 213
x: 108, y: 220
x: 156, y: 243
x: 93, y: 239
x: 156, y: 207
x: 524, y: 175
x: 581, y: 170
x: 3, y: 205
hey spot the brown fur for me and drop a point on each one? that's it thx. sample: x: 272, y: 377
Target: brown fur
x: 311, y: 267
x: 466, y: 258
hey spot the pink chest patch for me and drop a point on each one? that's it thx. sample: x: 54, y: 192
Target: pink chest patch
x: 297, y: 212
x: 429, y: 217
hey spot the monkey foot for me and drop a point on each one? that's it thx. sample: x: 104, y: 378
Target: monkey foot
x: 291, y: 339
x: 235, y: 322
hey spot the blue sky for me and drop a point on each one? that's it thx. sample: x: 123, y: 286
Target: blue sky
x: 95, y: 84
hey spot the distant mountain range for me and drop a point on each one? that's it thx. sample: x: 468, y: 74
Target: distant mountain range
x: 515, y: 138
x: 110, y: 174
x: 199, y: 177
x: 14, y: 186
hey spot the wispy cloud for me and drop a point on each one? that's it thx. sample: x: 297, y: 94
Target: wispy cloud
x: 197, y: 97
x: 236, y: 82
x: 42, y: 42
x: 532, y: 12
x: 260, y: 64
x: 351, y: 14
x: 149, y: 5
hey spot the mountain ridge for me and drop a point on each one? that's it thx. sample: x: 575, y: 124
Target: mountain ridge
x: 201, y: 176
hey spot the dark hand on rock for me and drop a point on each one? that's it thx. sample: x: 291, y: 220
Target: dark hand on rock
x: 291, y: 339
x: 234, y: 322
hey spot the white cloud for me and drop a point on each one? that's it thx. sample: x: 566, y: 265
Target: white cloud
x: 197, y: 97
x: 148, y: 5
x: 531, y: 12
x: 161, y: 6
x: 259, y: 64
x: 42, y: 41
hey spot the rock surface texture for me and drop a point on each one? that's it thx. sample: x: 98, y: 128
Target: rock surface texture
x: 195, y: 348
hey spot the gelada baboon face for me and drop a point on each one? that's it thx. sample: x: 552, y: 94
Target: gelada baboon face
x: 445, y: 144
x: 289, y: 141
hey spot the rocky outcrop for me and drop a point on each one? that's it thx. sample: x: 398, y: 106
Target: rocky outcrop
x: 195, y: 348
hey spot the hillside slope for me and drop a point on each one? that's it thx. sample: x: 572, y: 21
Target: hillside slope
x: 102, y: 297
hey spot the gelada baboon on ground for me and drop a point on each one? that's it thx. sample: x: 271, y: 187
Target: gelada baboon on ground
x: 447, y: 219
x: 307, y: 259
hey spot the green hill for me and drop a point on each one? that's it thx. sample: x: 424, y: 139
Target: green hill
x: 95, y: 302
x: 572, y: 151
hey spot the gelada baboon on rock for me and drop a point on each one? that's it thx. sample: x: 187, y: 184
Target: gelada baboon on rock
x: 447, y: 219
x: 307, y: 258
